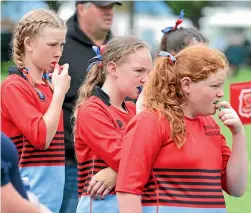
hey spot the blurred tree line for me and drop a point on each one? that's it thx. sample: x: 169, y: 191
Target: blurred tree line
x: 192, y: 8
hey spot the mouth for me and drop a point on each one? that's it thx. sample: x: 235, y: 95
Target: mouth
x: 54, y: 64
x: 216, y: 102
x: 109, y: 20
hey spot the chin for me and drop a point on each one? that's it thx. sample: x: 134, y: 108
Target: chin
x: 107, y: 27
x: 133, y: 96
x: 49, y: 69
x: 210, y: 113
x: 206, y: 113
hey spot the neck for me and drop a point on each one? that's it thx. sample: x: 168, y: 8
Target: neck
x: 187, y: 111
x: 116, y: 97
x: 35, y: 73
x: 96, y: 36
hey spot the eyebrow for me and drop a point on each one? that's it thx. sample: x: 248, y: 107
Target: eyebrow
x: 217, y: 82
x: 139, y: 68
x: 56, y: 42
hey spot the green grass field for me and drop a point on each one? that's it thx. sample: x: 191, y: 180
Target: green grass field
x: 234, y: 205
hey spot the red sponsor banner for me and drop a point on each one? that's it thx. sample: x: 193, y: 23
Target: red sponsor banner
x: 240, y: 100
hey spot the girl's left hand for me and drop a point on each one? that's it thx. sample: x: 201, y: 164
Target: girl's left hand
x: 102, y: 183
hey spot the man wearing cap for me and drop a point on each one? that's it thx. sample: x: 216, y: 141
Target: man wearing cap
x: 90, y: 25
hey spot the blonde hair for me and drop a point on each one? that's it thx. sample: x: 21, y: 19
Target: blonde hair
x: 116, y: 50
x: 29, y: 26
x: 163, y: 90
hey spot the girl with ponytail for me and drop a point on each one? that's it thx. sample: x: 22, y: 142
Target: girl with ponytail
x: 174, y: 157
x: 101, y: 115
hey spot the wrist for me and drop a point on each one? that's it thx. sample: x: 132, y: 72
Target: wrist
x: 58, y: 93
x: 238, y: 130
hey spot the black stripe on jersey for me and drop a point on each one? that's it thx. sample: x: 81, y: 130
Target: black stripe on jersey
x: 86, y: 174
x: 42, y: 161
x: 18, y: 142
x: 90, y: 161
x: 16, y: 137
x: 47, y: 150
x: 189, y: 183
x: 92, y: 167
x: 184, y: 202
x: 184, y: 195
x: 52, y: 144
x: 43, y: 156
x: 187, y: 170
x: 189, y: 176
x: 186, y: 189
x: 58, y: 138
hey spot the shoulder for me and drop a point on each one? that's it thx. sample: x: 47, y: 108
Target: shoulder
x: 152, y: 119
x: 92, y: 105
x: 15, y: 82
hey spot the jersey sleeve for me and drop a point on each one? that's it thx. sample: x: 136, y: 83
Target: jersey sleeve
x: 225, y: 157
x: 142, y: 142
x: 95, y: 127
x: 19, y: 106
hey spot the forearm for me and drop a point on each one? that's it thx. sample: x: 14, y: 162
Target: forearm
x: 52, y: 117
x: 129, y: 203
x: 12, y: 202
x: 237, y: 166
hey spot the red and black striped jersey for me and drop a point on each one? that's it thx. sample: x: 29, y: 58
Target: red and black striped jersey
x: 23, y: 107
x: 99, y: 132
x: 22, y: 113
x: 164, y: 175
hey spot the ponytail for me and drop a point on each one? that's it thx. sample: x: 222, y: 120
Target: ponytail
x: 95, y: 77
x: 166, y: 99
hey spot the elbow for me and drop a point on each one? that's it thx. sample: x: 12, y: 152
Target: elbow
x: 237, y: 192
x: 46, y: 145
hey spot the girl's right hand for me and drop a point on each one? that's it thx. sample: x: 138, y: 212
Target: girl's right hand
x: 61, y: 80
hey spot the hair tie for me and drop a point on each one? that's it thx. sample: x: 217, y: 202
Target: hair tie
x: 170, y: 57
x: 96, y: 59
x: 178, y: 22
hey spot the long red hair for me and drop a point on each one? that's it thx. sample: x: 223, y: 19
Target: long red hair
x: 163, y: 90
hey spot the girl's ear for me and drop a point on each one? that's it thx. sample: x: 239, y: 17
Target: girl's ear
x: 112, y: 69
x: 28, y: 44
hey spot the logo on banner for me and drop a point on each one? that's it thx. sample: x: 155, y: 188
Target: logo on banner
x: 245, y: 103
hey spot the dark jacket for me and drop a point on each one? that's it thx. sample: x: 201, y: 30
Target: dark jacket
x: 77, y: 52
